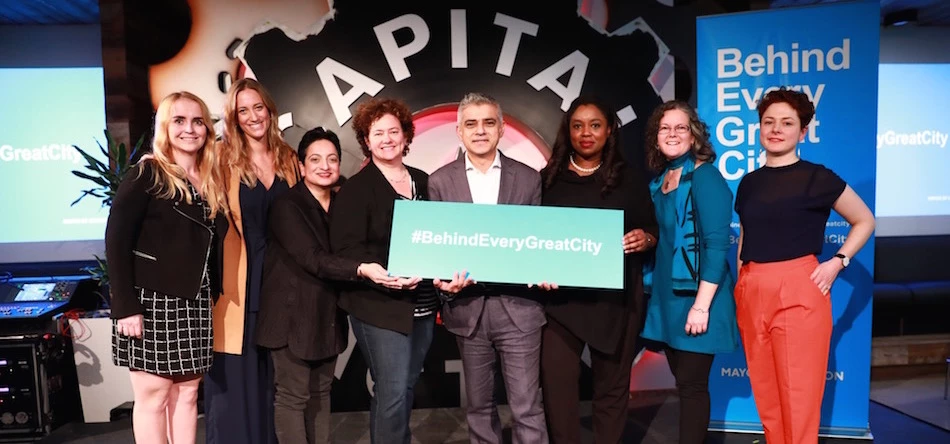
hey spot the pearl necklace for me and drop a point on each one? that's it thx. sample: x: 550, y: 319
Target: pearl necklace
x: 584, y: 170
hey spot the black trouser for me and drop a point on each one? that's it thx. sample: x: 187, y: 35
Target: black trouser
x: 560, y: 381
x: 691, y: 371
x: 302, y: 400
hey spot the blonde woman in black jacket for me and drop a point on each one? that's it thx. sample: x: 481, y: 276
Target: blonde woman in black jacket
x: 162, y: 241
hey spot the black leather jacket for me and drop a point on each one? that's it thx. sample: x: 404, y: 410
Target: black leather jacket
x: 158, y: 244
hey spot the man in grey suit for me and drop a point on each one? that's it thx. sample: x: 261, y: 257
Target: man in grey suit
x: 484, y: 319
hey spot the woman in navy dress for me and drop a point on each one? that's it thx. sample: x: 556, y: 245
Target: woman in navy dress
x: 258, y: 168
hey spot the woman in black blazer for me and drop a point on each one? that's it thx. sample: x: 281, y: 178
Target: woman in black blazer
x: 162, y: 248
x: 299, y: 319
x: 393, y: 328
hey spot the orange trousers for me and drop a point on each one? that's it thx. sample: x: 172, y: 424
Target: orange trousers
x: 785, y: 322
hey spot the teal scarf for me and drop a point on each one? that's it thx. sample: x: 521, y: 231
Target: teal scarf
x: 686, y: 240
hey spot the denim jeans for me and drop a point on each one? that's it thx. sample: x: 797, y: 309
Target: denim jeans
x: 395, y: 362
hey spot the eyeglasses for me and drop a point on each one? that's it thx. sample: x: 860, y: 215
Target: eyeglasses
x: 679, y: 129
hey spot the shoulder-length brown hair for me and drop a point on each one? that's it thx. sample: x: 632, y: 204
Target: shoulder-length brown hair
x: 168, y: 179
x: 702, y: 148
x: 612, y: 157
x: 235, y: 145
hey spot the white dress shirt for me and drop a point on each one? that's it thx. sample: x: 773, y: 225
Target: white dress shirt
x: 484, y: 186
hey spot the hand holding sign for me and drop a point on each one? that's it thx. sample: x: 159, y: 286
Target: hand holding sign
x: 459, y: 281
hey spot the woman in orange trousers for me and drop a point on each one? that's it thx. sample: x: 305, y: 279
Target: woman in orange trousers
x: 783, y: 304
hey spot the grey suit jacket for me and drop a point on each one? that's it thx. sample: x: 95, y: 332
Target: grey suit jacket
x: 520, y: 185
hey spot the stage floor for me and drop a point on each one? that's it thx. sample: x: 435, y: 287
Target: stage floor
x: 652, y: 419
x: 921, y: 398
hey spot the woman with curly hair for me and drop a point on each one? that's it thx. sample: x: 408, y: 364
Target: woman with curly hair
x: 691, y: 309
x: 393, y: 325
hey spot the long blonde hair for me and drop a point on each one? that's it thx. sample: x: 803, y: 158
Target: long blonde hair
x: 235, y: 146
x: 168, y: 180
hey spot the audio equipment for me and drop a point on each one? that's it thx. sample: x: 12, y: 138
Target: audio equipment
x: 39, y: 298
x: 39, y: 390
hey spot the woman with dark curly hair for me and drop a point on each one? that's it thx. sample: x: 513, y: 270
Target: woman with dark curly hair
x: 393, y: 326
x: 587, y: 170
x: 691, y: 309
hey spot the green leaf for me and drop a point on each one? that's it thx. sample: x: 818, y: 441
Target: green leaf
x: 98, y: 180
x: 85, y: 155
x: 109, y: 140
x: 106, y: 176
x: 91, y: 162
x: 84, y: 194
x: 138, y: 145
x: 102, y: 149
x: 99, y: 272
x: 122, y: 160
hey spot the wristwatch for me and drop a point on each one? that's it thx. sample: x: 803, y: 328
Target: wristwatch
x: 845, y: 260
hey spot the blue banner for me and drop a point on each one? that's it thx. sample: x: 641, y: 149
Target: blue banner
x: 511, y: 244
x: 830, y: 52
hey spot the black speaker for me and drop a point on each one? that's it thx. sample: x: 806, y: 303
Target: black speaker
x: 38, y: 386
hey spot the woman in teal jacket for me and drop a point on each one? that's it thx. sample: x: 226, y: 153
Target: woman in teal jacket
x: 691, y: 308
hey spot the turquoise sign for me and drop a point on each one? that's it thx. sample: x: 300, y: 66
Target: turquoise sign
x: 510, y: 244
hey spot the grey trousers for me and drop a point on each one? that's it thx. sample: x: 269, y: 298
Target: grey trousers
x: 302, y: 400
x: 520, y: 354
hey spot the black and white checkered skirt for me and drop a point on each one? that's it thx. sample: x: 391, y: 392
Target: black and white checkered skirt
x: 176, y: 336
x: 176, y: 333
